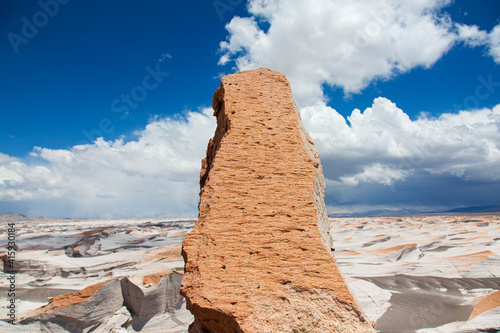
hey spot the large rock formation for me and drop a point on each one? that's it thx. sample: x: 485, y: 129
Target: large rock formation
x: 258, y: 259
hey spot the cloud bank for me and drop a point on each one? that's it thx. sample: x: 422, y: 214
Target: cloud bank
x: 154, y: 175
x: 381, y: 159
x: 375, y: 159
x: 346, y: 44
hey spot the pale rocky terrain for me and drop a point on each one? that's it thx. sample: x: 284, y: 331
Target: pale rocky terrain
x: 411, y: 273
x: 429, y: 274
x: 135, y: 263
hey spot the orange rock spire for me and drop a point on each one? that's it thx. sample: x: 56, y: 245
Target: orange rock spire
x: 258, y: 259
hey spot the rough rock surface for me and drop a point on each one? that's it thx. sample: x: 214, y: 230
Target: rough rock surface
x: 131, y: 301
x: 86, y: 308
x: 258, y: 259
x: 158, y: 293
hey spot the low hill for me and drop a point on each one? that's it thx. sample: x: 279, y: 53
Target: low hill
x: 12, y: 217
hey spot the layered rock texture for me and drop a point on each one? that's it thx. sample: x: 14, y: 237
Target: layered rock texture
x: 104, y: 306
x: 258, y: 259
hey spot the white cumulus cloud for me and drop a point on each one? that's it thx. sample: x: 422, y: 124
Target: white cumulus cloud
x: 154, y: 175
x: 382, y: 143
x: 472, y: 36
x: 347, y: 44
x: 376, y: 158
x: 494, y: 43
x: 367, y: 157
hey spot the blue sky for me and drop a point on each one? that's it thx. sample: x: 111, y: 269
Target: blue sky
x: 65, y: 78
x: 400, y: 97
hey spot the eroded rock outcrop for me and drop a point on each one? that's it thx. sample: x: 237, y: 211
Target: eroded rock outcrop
x: 127, y: 302
x: 87, y: 308
x: 258, y: 259
x: 157, y: 293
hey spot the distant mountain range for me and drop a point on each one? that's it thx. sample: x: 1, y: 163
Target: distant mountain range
x: 401, y: 212
x: 11, y: 217
x: 475, y: 209
x: 379, y: 212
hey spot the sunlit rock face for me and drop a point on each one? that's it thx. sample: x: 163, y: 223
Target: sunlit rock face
x: 258, y: 259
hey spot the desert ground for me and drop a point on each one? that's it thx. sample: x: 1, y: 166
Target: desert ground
x: 409, y: 274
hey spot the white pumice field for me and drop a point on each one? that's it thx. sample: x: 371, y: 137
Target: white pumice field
x: 408, y: 274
